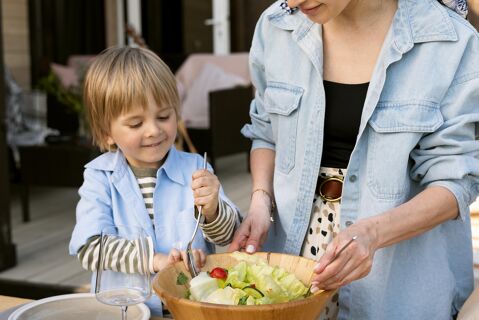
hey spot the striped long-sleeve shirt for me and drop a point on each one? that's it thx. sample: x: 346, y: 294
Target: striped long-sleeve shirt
x: 120, y: 255
x: 120, y: 252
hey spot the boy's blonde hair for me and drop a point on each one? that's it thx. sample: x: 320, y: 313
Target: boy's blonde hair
x: 122, y: 78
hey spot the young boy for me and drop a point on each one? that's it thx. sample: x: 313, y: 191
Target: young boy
x: 132, y: 105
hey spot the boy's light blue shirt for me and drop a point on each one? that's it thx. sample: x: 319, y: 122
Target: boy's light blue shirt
x: 417, y: 130
x: 110, y: 196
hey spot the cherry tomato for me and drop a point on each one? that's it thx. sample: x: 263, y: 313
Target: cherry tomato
x: 219, y: 273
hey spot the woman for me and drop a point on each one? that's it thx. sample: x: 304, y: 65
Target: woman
x: 377, y: 99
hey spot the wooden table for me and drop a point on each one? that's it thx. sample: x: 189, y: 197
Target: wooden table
x: 10, y: 302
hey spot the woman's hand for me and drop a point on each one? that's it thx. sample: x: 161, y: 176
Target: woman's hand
x: 206, y: 187
x: 253, y: 231
x: 353, y: 263
x: 161, y: 261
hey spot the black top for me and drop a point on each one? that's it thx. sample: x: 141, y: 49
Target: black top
x: 344, y: 105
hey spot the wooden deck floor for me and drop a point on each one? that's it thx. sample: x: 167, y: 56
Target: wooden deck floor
x: 42, y: 244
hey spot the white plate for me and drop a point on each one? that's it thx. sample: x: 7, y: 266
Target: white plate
x: 74, y: 307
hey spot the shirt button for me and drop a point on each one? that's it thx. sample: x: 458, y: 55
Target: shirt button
x: 348, y: 223
x: 353, y: 178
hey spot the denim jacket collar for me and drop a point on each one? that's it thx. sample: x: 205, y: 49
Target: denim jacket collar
x: 116, y: 162
x: 432, y: 24
x: 110, y: 161
x: 171, y: 167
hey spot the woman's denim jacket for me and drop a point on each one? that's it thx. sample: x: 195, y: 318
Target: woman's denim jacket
x: 417, y: 130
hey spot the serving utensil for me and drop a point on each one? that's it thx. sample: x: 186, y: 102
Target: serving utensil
x: 189, y: 254
x: 343, y: 248
x: 334, y: 258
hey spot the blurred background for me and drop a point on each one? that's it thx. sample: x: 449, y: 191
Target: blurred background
x: 46, y: 47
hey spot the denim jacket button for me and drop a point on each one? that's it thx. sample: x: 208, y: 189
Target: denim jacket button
x: 353, y: 178
x: 348, y: 223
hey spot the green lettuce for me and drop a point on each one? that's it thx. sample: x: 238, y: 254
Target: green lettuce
x: 226, y: 295
x: 237, y: 276
x: 271, y: 284
x: 294, y: 288
x: 202, y: 286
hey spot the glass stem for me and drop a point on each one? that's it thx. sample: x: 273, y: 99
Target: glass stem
x: 123, y: 312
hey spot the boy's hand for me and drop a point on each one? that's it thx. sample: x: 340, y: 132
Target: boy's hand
x: 162, y: 261
x: 206, y: 187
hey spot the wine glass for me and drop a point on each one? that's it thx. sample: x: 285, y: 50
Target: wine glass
x: 123, y: 276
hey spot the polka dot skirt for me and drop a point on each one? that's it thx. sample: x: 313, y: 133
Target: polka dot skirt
x: 323, y: 227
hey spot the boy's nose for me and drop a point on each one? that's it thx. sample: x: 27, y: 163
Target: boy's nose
x: 152, y: 130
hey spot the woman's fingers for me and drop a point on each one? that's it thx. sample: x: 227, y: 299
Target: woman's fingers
x: 253, y: 231
x: 241, y: 236
x: 345, y: 277
x: 259, y: 225
x: 330, y: 270
x: 352, y: 264
x: 327, y: 257
x: 257, y: 237
x: 335, y: 274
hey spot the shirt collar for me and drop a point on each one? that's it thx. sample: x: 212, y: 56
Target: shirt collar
x: 414, y: 22
x: 116, y: 162
x: 108, y: 161
x: 172, y: 168
x: 421, y: 21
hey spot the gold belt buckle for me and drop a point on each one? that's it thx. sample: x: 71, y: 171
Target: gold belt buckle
x: 325, y: 197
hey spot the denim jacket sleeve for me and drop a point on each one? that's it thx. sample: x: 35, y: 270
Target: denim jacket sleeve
x: 260, y: 128
x: 93, y: 212
x: 449, y: 157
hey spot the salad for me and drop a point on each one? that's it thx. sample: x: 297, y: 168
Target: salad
x: 251, y: 282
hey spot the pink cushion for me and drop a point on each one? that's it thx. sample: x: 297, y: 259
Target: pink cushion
x: 70, y: 74
x: 235, y: 63
x: 195, y: 110
x: 80, y: 61
x: 66, y: 75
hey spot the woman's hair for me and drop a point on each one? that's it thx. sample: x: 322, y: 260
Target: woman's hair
x: 120, y: 79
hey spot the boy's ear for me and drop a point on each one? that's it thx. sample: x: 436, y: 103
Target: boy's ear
x: 109, y: 140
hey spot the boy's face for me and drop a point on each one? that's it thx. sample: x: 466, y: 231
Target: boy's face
x: 145, y: 136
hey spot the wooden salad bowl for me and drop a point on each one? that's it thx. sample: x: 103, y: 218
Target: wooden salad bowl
x: 173, y: 295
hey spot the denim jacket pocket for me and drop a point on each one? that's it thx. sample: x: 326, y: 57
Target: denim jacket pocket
x: 281, y: 101
x: 396, y: 130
